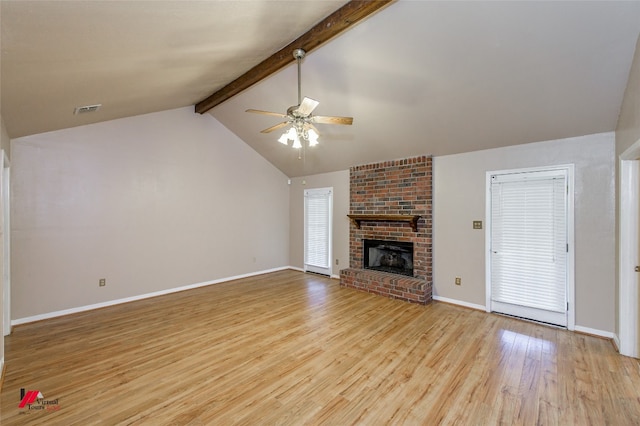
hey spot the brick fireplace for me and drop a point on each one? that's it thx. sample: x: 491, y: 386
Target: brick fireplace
x: 391, y: 202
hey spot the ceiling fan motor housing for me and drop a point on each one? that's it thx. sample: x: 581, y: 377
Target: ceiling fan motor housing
x: 292, y: 111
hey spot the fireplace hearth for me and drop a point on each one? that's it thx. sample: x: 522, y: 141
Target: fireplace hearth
x: 395, y: 257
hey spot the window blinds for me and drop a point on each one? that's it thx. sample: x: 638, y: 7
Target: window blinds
x: 317, y: 210
x: 529, y: 240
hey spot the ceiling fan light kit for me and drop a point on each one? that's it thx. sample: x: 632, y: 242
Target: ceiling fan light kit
x: 300, y: 118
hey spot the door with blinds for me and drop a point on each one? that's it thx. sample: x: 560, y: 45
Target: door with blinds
x: 529, y: 245
x: 318, y: 207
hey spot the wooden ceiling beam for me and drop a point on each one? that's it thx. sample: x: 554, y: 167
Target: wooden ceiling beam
x: 339, y: 21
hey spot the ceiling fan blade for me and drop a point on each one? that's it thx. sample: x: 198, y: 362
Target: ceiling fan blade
x: 259, y: 111
x: 276, y: 127
x: 332, y: 120
x: 307, y: 106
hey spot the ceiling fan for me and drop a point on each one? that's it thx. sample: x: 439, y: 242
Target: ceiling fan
x: 300, y: 117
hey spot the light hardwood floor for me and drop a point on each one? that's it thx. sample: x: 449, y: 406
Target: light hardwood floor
x: 294, y: 348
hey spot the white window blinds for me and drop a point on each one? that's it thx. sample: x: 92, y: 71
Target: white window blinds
x: 317, y: 211
x: 529, y: 240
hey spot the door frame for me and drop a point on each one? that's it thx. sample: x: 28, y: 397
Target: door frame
x: 629, y: 239
x: 570, y: 170
x: 6, y: 244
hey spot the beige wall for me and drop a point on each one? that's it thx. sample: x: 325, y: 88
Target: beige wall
x: 340, y: 183
x: 150, y: 203
x: 459, y: 198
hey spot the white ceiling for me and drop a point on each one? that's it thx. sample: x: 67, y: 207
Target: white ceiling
x: 133, y: 57
x: 419, y: 77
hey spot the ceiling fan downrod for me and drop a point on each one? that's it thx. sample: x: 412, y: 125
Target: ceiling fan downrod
x: 298, y: 54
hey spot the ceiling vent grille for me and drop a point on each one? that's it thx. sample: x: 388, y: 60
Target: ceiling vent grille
x: 86, y: 108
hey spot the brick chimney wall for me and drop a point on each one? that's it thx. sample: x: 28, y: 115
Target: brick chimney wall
x: 392, y: 187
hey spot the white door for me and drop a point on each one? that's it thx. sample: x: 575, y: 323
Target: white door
x: 318, y: 207
x: 635, y: 279
x: 637, y: 268
x: 529, y: 244
x: 629, y: 252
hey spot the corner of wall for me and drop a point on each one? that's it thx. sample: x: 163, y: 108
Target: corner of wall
x: 626, y: 134
x: 628, y: 125
x: 5, y: 141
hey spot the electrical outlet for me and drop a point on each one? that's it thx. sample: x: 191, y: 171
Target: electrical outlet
x: 458, y: 281
x: 102, y: 282
x: 477, y: 224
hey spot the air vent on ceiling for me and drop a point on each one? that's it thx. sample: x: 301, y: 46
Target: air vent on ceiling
x: 86, y: 108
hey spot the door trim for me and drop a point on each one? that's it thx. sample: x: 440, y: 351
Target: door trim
x: 6, y: 244
x: 569, y: 168
x: 628, y: 235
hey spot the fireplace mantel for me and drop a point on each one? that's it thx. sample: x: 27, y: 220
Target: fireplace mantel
x: 411, y: 219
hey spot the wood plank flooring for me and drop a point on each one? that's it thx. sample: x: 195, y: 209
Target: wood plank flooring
x: 291, y: 348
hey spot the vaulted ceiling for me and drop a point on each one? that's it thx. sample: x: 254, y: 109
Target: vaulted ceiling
x: 419, y: 77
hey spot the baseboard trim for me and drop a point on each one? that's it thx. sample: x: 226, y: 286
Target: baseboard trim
x: 295, y: 268
x: 2, y: 365
x: 616, y: 342
x: 26, y: 320
x: 139, y: 297
x: 460, y: 303
x: 578, y: 329
x: 594, y: 332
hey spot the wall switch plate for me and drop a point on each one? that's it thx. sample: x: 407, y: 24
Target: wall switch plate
x: 458, y: 281
x: 102, y: 282
x: 477, y: 224
x: 337, y: 262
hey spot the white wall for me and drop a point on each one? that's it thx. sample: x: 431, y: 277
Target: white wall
x: 340, y: 183
x: 150, y: 203
x: 459, y: 198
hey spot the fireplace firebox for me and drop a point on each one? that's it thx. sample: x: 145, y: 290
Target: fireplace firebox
x: 395, y: 257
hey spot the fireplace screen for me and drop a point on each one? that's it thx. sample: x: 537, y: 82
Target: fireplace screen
x: 389, y: 256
